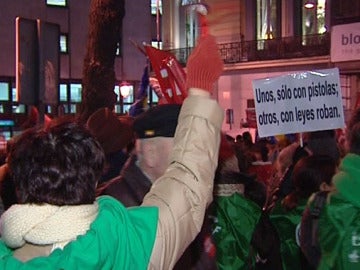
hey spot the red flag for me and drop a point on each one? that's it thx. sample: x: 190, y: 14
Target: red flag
x: 169, y: 73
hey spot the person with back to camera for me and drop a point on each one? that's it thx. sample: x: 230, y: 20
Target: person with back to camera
x: 241, y: 232
x: 310, y: 174
x: 334, y: 218
x: 78, y: 232
x: 155, y: 130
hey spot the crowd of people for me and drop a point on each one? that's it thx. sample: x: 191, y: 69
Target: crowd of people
x: 168, y: 190
x: 302, y: 181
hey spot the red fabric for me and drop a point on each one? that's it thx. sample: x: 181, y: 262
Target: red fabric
x: 204, y: 26
x: 209, y: 246
x: 204, y: 65
x: 169, y: 73
x: 263, y: 171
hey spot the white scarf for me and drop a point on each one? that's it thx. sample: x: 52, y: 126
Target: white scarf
x: 45, y: 224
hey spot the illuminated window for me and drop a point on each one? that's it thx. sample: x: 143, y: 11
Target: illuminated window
x: 313, y: 19
x: 18, y: 108
x: 118, y: 49
x: 64, y: 43
x: 154, y: 97
x: 157, y: 44
x: 57, y: 3
x: 63, y: 92
x: 14, y: 94
x: 192, y: 27
x: 117, y: 109
x: 124, y: 102
x: 267, y: 26
x: 73, y: 108
x: 126, y: 108
x: 48, y: 109
x: 117, y: 92
x: 4, y: 91
x: 154, y: 7
x: 75, y: 92
x: 129, y: 98
x: 6, y: 134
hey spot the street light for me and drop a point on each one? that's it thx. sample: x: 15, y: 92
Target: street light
x: 125, y: 89
x: 199, y: 5
x: 310, y: 4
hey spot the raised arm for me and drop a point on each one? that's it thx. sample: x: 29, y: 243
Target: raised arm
x: 185, y: 190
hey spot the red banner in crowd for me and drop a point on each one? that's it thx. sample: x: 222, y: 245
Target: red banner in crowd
x: 170, y: 74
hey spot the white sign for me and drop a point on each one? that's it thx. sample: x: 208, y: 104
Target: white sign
x: 345, y: 42
x: 300, y: 102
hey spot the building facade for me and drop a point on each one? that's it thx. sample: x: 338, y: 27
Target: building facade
x: 72, y: 18
x: 257, y: 39
x: 267, y: 38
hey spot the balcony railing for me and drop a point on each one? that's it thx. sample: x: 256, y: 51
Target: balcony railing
x: 271, y: 49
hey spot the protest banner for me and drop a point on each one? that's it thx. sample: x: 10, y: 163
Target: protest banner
x: 299, y: 102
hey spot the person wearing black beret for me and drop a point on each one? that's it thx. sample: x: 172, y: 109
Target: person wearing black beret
x: 154, y: 131
x: 107, y: 235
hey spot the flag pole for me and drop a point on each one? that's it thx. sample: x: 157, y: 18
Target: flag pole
x: 158, y: 23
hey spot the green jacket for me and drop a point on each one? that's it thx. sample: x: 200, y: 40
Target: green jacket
x: 339, y: 223
x: 236, y: 218
x: 180, y: 196
x: 286, y: 224
x: 119, y: 238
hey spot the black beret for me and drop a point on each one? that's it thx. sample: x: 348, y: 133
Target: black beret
x: 158, y: 121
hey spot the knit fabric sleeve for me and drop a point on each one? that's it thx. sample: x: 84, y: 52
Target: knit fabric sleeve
x: 185, y: 190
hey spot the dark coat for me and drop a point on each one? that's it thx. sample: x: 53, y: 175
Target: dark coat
x: 130, y: 187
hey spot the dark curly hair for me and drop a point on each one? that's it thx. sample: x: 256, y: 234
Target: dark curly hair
x: 308, y: 174
x: 58, y: 165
